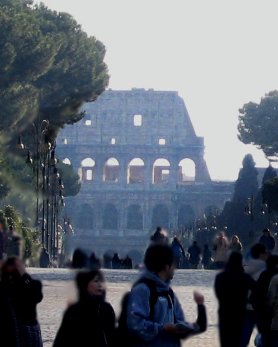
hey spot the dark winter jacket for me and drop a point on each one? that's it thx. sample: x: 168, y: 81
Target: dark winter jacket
x: 18, y: 304
x: 89, y: 322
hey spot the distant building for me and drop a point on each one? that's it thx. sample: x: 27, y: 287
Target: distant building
x: 141, y: 166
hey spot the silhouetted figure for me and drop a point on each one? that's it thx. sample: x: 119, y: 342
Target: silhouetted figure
x: 194, y: 255
x: 178, y: 250
x: 94, y: 262
x: 231, y: 287
x: 160, y: 236
x: 91, y: 320
x: 253, y: 266
x: 107, y: 261
x: 259, y: 300
x: 206, y: 257
x: 127, y: 262
x: 235, y: 244
x: 79, y: 259
x: 220, y: 250
x: 44, y: 258
x: 19, y: 296
x: 116, y: 261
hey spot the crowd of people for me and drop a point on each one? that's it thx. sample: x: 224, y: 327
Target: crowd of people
x: 246, y: 288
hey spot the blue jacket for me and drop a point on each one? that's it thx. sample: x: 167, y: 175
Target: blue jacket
x: 150, y: 331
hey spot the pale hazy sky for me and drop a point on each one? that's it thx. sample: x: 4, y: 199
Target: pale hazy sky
x: 217, y: 54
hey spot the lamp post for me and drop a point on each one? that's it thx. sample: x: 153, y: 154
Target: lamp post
x: 249, y: 210
x: 266, y: 210
x: 48, y: 182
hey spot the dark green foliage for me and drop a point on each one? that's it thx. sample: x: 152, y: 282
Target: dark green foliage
x: 270, y: 193
x: 70, y: 179
x: 49, y: 68
x: 258, y: 124
x: 269, y: 174
x: 238, y: 214
x: 247, y: 183
x: 30, y: 237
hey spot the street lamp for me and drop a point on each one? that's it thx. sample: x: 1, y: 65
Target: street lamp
x: 249, y: 210
x: 49, y: 197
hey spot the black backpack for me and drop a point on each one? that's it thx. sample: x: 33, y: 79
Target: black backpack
x: 124, y: 337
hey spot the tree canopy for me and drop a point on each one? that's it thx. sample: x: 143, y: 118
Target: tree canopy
x: 49, y: 68
x: 258, y: 124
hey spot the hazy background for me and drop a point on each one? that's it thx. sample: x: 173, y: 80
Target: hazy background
x: 217, y: 54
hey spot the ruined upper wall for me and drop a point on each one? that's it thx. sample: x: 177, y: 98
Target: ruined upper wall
x: 111, y: 116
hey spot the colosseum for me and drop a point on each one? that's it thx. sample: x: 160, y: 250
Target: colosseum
x: 141, y: 165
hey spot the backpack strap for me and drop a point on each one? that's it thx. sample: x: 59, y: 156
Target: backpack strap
x: 154, y: 294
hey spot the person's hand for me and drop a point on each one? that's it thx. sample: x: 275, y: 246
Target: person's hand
x: 169, y: 328
x: 198, y: 298
x: 172, y: 329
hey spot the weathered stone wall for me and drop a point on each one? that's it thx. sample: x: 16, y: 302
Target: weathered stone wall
x: 133, y: 150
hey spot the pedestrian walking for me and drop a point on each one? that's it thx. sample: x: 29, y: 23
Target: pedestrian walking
x: 178, y: 250
x: 259, y: 300
x: 231, y: 287
x: 253, y: 266
x: 91, y: 320
x: 19, y: 296
x: 207, y: 257
x: 160, y: 236
x: 235, y: 245
x: 194, y: 252
x: 44, y: 258
x: 220, y: 249
x: 162, y: 323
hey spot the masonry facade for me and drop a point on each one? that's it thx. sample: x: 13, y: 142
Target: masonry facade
x: 141, y: 166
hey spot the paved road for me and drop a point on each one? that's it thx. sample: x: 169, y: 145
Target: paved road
x: 59, y: 291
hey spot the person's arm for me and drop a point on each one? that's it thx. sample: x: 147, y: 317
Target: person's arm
x: 272, y: 294
x: 184, y: 329
x: 138, y: 312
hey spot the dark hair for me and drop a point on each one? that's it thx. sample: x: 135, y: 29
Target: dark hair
x: 266, y: 230
x: 83, y: 278
x: 257, y: 249
x: 234, y: 262
x: 157, y: 256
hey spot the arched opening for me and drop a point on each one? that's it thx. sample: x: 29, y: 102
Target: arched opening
x: 187, y: 170
x: 87, y: 169
x: 186, y: 216
x: 111, y: 170
x: 110, y: 217
x: 160, y: 217
x: 135, y: 171
x: 84, y: 218
x: 161, y: 171
x: 134, y: 217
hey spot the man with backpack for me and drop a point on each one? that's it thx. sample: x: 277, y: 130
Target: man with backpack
x: 154, y: 316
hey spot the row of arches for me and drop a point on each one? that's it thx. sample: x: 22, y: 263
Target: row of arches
x: 135, y: 171
x: 109, y: 219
